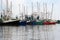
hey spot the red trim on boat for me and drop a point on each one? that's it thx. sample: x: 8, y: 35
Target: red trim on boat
x: 49, y: 23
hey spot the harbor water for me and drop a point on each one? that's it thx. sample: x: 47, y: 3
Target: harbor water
x: 37, y: 32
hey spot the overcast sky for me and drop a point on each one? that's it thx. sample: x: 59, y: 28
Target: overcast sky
x: 27, y: 4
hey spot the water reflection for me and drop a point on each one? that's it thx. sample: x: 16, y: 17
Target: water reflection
x: 43, y: 32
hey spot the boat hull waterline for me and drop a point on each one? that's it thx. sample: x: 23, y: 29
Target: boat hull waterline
x: 13, y: 23
x: 24, y: 23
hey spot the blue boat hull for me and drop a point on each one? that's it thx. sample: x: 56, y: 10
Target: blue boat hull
x: 31, y: 23
x: 23, y: 23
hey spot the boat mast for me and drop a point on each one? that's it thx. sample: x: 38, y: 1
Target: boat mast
x: 43, y: 13
x: 52, y: 11
x: 32, y: 11
x: 19, y: 8
x: 38, y: 9
x: 7, y: 5
x: 32, y: 7
x: 6, y: 8
x: 26, y: 13
x: 1, y: 4
x: 22, y: 14
x: 23, y: 11
x: 1, y: 8
x: 11, y: 8
x: 46, y: 10
x: 26, y: 9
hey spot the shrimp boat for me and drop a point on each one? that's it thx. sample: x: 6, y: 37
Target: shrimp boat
x: 30, y: 21
x: 22, y: 21
x: 10, y: 22
x: 49, y: 21
x: 6, y: 16
x: 33, y: 19
x: 38, y: 21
